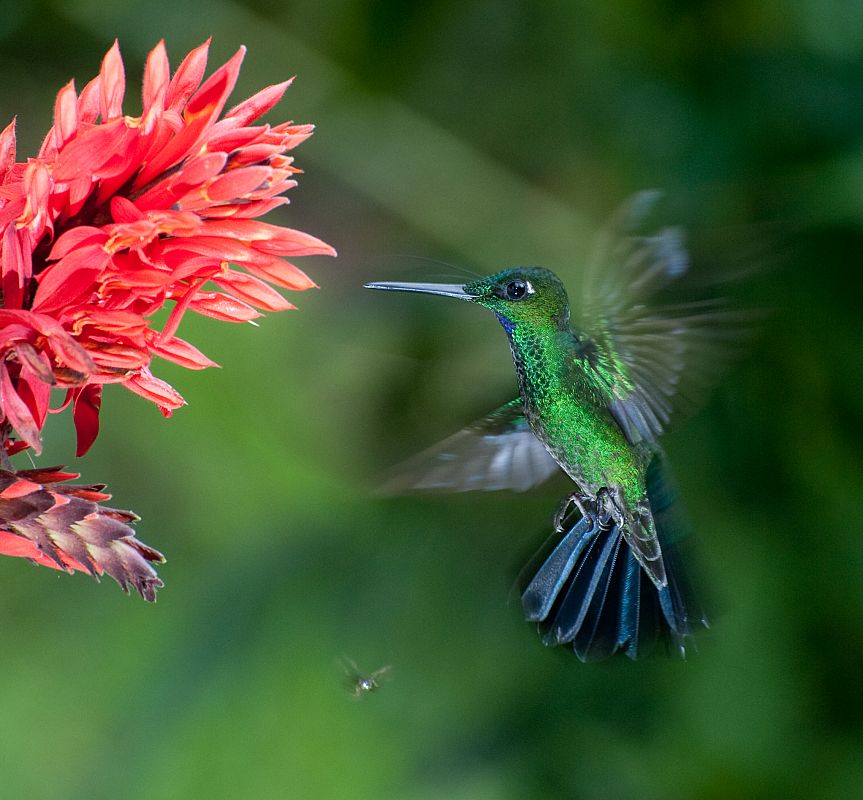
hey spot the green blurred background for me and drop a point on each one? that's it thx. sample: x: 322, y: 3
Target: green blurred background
x: 481, y: 134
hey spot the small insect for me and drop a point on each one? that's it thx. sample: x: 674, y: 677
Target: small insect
x: 359, y: 683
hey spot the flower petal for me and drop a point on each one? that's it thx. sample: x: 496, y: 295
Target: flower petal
x: 17, y: 267
x: 258, y: 104
x: 157, y: 76
x: 7, y: 151
x: 113, y: 84
x: 270, y: 238
x: 187, y: 78
x: 223, y: 307
x: 86, y: 154
x: 182, y: 353
x: 281, y: 273
x: 65, y: 114
x: 124, y: 210
x: 75, y: 238
x: 16, y: 412
x: 145, y: 384
x: 70, y: 279
x: 85, y: 411
x: 88, y: 101
x: 251, y: 290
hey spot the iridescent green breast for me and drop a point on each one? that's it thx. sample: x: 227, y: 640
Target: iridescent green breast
x: 568, y: 415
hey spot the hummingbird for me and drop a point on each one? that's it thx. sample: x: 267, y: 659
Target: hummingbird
x: 597, y: 389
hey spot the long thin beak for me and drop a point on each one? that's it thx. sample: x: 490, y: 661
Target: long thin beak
x: 445, y: 289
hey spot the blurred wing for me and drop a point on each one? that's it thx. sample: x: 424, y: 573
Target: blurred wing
x: 496, y: 452
x: 652, y: 362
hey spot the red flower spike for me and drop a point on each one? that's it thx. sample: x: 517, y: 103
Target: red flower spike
x: 64, y: 527
x: 131, y: 251
x: 116, y: 217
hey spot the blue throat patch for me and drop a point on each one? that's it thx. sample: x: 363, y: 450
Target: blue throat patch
x: 508, y: 324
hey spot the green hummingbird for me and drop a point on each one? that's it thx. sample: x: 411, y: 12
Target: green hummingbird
x: 595, y: 395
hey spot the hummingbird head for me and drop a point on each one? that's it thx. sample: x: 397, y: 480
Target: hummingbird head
x: 531, y: 296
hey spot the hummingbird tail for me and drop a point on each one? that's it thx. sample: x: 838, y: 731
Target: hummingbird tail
x: 592, y: 592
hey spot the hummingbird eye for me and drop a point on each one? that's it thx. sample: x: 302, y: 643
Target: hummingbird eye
x: 517, y: 289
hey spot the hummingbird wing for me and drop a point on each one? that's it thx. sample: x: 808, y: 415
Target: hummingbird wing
x: 651, y: 362
x: 496, y: 452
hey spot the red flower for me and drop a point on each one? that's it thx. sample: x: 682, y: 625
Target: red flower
x: 119, y: 215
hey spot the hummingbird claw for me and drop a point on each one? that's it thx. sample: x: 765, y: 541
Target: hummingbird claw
x: 584, y: 503
x: 605, y: 506
x: 612, y: 506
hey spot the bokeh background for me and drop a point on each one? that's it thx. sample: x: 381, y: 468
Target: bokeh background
x: 480, y: 134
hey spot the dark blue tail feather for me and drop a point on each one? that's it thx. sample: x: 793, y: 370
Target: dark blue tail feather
x: 592, y: 592
x: 551, y: 576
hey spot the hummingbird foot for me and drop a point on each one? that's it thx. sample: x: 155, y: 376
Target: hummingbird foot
x: 586, y: 505
x: 605, y: 506
x: 611, y: 505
